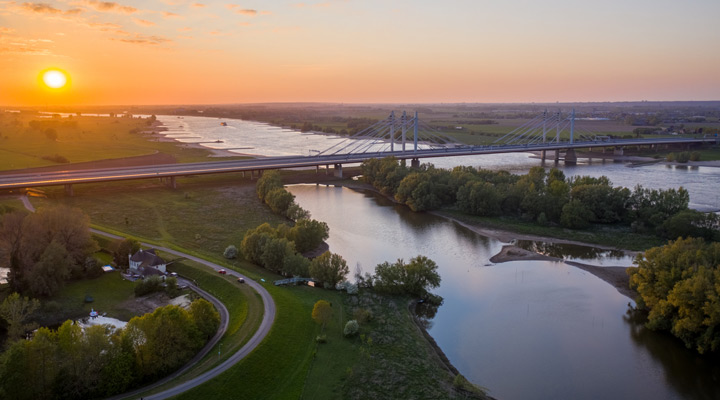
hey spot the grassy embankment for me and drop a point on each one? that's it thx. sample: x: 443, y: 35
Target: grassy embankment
x: 204, y: 216
x: 81, y: 139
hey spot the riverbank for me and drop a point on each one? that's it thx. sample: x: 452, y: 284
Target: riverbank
x: 615, y: 276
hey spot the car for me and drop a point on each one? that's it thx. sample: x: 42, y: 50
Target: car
x: 222, y: 272
x: 241, y: 280
x: 173, y: 274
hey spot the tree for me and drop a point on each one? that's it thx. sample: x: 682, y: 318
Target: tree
x: 413, y: 278
x: 12, y: 237
x: 275, y: 251
x: 679, y: 285
x: 123, y: 249
x: 329, y: 268
x: 322, y: 313
x: 279, y: 200
x: 308, y: 234
x: 205, y: 317
x: 269, y: 181
x: 49, y: 273
x: 230, y: 252
x: 575, y: 215
x: 16, y: 311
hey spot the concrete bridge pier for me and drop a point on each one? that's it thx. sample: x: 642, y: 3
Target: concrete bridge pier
x: 557, y: 156
x: 338, y: 171
x: 570, y: 157
x: 173, y: 183
x: 327, y: 169
x: 69, y: 190
x: 618, y: 151
x: 415, y: 163
x: 543, y: 155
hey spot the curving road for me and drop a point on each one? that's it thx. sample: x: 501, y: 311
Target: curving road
x: 263, y: 329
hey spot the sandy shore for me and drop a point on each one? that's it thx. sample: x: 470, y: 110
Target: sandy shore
x: 616, y: 276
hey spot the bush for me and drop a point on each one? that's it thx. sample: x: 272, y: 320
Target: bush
x: 148, y: 285
x: 351, y: 328
x: 230, y: 252
x: 362, y: 315
x: 321, y: 338
x: 683, y: 157
x: 695, y: 156
x: 670, y: 157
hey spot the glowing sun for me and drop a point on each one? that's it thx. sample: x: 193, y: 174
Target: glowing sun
x: 55, y: 78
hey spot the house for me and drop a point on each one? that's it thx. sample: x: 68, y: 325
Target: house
x: 146, y: 262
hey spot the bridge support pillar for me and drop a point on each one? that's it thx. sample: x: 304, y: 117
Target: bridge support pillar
x: 173, y: 183
x: 618, y: 151
x: 69, y: 190
x: 317, y: 169
x: 327, y: 169
x: 570, y: 157
x: 415, y: 163
x: 338, y: 171
x: 543, y: 155
x: 557, y: 156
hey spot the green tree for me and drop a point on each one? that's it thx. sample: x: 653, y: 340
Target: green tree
x: 16, y: 311
x: 575, y: 215
x: 230, y: 252
x: 275, y: 251
x: 270, y: 180
x: 322, y: 313
x: 205, y: 317
x: 329, y: 268
x: 124, y: 248
x: 49, y: 273
x: 414, y: 278
x: 308, y: 234
x: 679, y: 285
x: 279, y: 200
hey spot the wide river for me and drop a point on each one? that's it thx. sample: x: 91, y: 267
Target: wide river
x: 524, y: 329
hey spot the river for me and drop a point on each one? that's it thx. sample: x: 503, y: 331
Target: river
x: 523, y: 329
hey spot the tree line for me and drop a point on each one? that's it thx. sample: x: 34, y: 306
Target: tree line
x: 678, y: 287
x: 44, y: 250
x: 99, y: 361
x: 545, y: 197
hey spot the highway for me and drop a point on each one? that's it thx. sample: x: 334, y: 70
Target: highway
x: 10, y: 180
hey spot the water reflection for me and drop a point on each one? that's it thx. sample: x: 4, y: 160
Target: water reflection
x: 575, y: 252
x: 525, y: 329
x: 692, y: 375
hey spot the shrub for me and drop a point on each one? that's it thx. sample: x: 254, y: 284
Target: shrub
x: 351, y: 328
x: 148, y: 285
x: 695, y: 156
x: 670, y: 157
x: 321, y: 338
x: 362, y: 315
x: 230, y: 252
x: 683, y: 157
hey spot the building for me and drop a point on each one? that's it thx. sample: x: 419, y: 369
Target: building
x: 146, y: 262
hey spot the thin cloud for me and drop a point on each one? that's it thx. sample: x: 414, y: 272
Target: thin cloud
x: 247, y: 12
x: 24, y: 50
x: 185, y: 29
x: 198, y: 5
x: 167, y: 14
x: 144, y: 40
x: 5, y: 31
x: 41, y: 8
x: 110, y: 6
x: 143, y: 22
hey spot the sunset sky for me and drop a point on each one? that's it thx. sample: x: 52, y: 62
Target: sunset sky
x: 181, y: 52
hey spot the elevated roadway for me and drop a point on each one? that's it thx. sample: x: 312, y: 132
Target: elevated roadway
x: 171, y: 171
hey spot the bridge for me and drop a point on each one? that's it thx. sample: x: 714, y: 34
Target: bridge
x: 406, y: 138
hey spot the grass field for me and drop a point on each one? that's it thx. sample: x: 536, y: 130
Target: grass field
x: 80, y: 139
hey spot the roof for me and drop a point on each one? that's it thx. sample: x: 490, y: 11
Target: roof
x: 147, y: 258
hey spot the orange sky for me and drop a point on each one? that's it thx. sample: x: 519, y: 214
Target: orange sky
x: 180, y: 52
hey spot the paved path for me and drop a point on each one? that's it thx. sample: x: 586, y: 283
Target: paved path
x: 263, y: 330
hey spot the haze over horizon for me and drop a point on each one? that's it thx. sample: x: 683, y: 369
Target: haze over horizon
x: 215, y: 52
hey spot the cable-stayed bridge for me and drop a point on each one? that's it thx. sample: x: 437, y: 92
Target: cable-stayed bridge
x: 404, y: 137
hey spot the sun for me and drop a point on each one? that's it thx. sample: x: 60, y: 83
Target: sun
x: 54, y: 78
